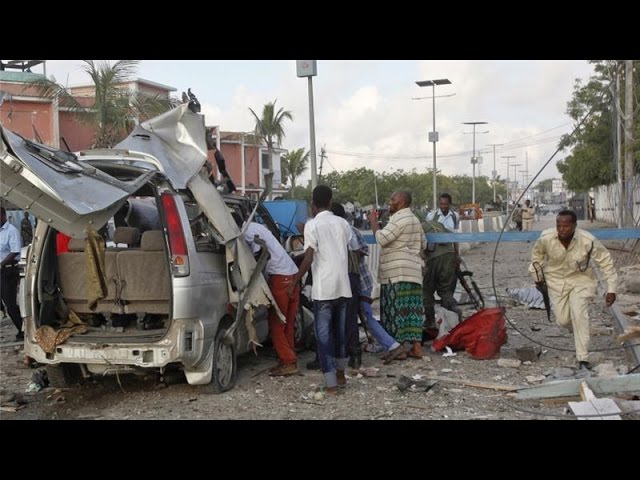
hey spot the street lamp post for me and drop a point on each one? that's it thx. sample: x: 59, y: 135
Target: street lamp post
x: 508, y: 157
x: 494, y: 173
x: 309, y: 69
x: 515, y: 179
x: 433, y: 136
x: 474, y: 159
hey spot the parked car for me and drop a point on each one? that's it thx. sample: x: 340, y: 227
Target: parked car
x: 177, y: 285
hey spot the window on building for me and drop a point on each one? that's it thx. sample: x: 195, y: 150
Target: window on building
x: 265, y: 160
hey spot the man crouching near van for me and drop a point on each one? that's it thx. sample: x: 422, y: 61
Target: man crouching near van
x: 326, y: 237
x: 281, y: 271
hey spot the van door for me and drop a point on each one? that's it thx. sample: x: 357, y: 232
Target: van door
x: 58, y: 189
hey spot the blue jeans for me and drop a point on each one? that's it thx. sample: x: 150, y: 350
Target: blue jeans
x: 329, y: 323
x: 377, y: 330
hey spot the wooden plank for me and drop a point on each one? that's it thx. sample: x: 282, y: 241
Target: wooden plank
x: 568, y: 388
x: 471, y: 383
x: 585, y: 392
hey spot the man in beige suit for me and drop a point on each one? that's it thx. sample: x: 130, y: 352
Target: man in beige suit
x: 567, y: 255
x: 528, y: 215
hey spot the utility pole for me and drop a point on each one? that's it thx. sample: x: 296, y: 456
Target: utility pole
x: 323, y: 153
x: 375, y: 187
x: 628, y: 142
x: 494, y: 173
x: 309, y: 69
x: 525, y: 173
x: 515, y: 180
x: 433, y: 135
x: 508, y: 157
x: 474, y: 159
x: 618, y: 110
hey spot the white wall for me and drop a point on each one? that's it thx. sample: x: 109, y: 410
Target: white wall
x: 607, y: 202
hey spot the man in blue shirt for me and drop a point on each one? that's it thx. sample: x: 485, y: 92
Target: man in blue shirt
x: 9, y: 275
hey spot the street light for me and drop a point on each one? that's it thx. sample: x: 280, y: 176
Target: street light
x: 309, y: 69
x: 515, y: 179
x: 433, y: 136
x: 494, y: 172
x: 508, y: 157
x: 474, y: 159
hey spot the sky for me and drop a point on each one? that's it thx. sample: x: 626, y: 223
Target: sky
x: 367, y: 114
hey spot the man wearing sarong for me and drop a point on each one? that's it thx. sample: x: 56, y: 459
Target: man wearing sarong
x: 400, y: 275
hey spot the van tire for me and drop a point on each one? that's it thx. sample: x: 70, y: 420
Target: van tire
x: 63, y: 375
x: 303, y: 334
x: 225, y: 363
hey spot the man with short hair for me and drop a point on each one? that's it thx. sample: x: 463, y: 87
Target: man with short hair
x: 9, y: 273
x: 443, y: 260
x: 400, y: 275
x: 326, y: 240
x: 566, y: 255
x: 281, y: 270
x: 26, y: 230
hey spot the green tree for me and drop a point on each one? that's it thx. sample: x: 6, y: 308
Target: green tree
x: 294, y: 164
x: 592, y: 160
x: 115, y: 108
x: 270, y: 128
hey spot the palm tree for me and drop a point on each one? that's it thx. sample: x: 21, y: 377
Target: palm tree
x: 294, y: 164
x: 270, y: 129
x: 115, y: 109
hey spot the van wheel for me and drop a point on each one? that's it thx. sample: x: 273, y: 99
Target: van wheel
x: 224, y: 363
x: 63, y: 375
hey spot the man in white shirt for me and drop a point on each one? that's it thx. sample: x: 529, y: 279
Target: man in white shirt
x: 281, y: 270
x: 443, y: 260
x: 326, y: 239
x: 9, y: 274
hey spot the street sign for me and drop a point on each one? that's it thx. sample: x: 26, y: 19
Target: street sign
x: 306, y: 68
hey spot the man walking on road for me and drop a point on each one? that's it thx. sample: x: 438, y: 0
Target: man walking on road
x: 567, y: 255
x: 528, y: 216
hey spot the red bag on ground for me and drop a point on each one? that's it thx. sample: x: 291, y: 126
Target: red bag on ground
x: 481, y: 335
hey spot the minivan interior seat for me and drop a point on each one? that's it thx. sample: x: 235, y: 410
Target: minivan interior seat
x: 73, y: 276
x: 144, y: 276
x: 111, y: 303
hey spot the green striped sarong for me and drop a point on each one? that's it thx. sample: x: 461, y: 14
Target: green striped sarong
x: 402, y: 310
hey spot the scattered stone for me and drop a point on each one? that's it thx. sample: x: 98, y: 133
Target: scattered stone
x: 623, y: 369
x: 453, y: 361
x: 596, y: 330
x: 559, y: 372
x: 597, y: 357
x: 535, y: 378
x: 629, y: 279
x: 528, y: 353
x: 606, y: 370
x: 509, y: 362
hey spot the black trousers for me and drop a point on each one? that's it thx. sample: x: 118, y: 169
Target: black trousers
x: 9, y: 278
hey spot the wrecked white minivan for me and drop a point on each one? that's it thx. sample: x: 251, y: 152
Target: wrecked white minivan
x: 136, y: 261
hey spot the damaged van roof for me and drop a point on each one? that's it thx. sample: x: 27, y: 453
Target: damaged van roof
x: 70, y: 194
